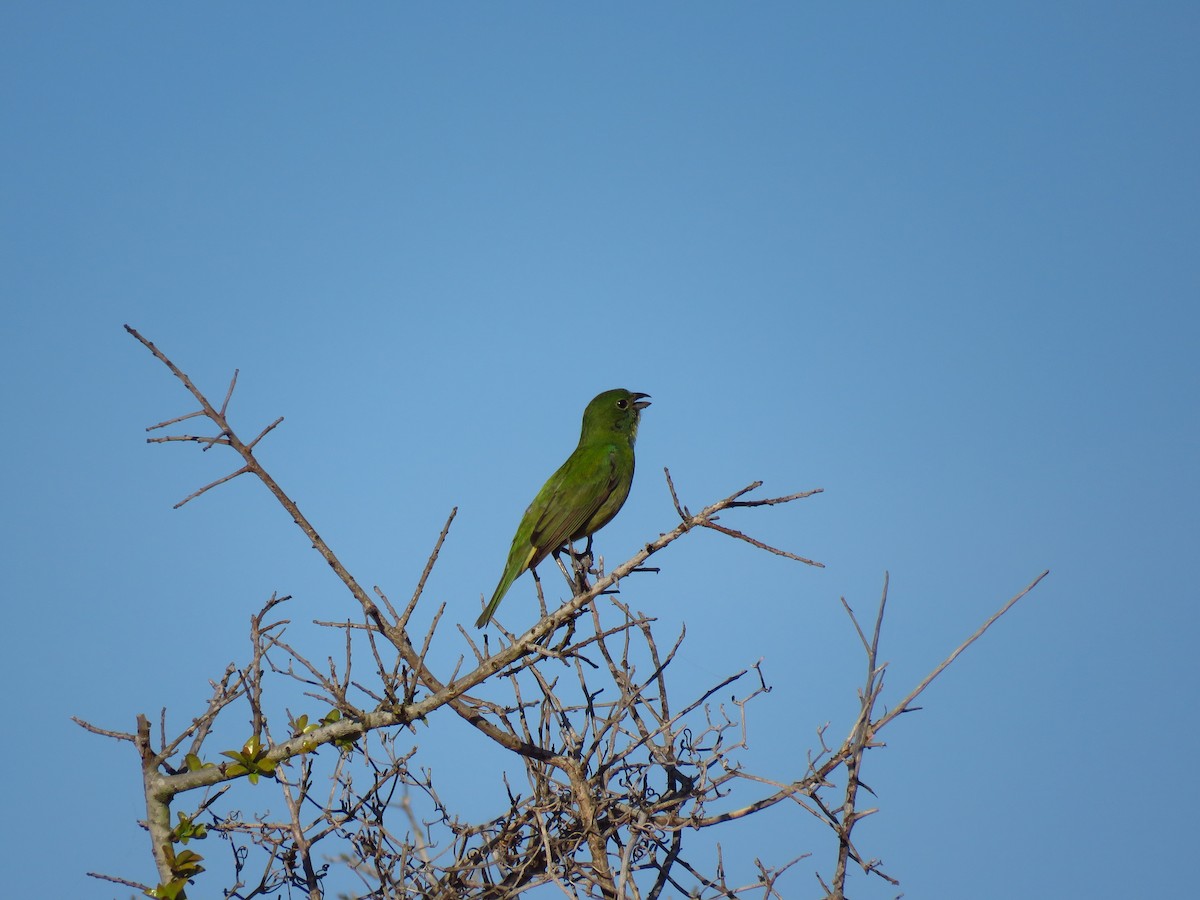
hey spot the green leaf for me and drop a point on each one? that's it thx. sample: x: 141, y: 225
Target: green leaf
x: 169, y: 891
x: 193, y: 763
x: 184, y: 864
x: 187, y: 829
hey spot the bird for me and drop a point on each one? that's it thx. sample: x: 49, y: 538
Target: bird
x: 584, y: 494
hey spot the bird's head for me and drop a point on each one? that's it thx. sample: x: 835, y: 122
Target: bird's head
x: 616, y: 410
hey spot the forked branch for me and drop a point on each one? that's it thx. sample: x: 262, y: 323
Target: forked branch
x: 616, y: 774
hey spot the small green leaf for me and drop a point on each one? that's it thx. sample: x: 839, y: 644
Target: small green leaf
x: 187, y: 829
x: 193, y: 763
x: 184, y: 864
x: 169, y: 891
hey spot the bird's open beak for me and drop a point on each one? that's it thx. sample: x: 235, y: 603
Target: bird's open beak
x: 639, y: 402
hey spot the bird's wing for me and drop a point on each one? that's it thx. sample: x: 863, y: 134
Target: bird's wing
x: 581, y: 486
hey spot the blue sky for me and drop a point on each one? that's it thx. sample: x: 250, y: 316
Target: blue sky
x: 940, y: 260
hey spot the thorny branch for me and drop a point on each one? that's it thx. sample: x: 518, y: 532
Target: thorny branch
x: 616, y: 780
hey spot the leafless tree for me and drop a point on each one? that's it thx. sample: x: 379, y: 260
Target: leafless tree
x: 619, y: 780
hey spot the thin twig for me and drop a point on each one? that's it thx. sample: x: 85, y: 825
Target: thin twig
x: 903, y: 705
x: 759, y: 544
x: 103, y: 732
x: 402, y: 622
x: 208, y: 487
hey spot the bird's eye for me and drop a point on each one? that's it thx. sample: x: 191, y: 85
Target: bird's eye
x: 622, y: 403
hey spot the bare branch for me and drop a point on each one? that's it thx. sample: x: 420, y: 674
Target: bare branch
x: 136, y: 885
x: 262, y: 434
x: 617, y: 774
x: 103, y: 732
x: 904, y: 704
x: 759, y: 544
x: 212, y: 484
x: 402, y: 621
x: 229, y: 393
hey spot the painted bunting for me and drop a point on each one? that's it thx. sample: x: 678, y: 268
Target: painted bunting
x: 584, y: 494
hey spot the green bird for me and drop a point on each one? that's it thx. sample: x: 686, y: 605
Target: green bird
x: 584, y: 494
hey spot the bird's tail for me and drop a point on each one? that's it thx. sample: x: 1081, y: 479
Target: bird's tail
x: 501, y: 590
x: 521, y: 556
